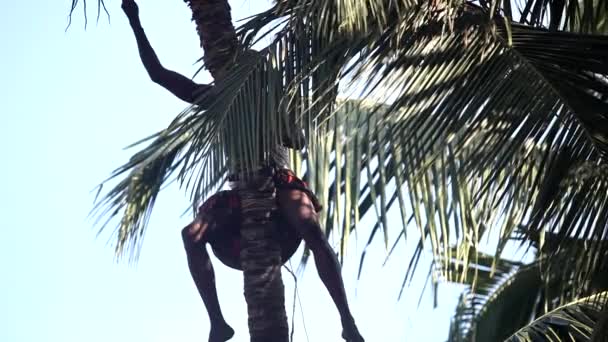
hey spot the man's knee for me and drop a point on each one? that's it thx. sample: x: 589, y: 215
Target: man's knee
x: 313, y: 235
x: 192, y: 234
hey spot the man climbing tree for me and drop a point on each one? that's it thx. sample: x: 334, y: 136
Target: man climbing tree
x: 218, y: 221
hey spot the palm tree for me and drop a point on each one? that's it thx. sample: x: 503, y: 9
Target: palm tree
x: 474, y: 119
x: 261, y: 259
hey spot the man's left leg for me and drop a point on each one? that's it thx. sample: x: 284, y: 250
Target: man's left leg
x: 298, y: 211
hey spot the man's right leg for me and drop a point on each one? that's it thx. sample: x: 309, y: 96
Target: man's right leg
x: 201, y: 269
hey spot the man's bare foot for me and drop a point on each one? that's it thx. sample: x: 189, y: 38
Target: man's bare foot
x: 350, y: 333
x: 221, y: 333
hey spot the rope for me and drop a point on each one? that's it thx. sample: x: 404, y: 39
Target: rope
x: 296, y: 294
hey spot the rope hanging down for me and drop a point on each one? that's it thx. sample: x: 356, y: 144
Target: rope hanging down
x: 296, y: 295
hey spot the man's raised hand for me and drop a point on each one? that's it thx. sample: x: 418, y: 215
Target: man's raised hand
x: 130, y: 8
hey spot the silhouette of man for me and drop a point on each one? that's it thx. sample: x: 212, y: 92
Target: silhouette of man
x: 218, y: 222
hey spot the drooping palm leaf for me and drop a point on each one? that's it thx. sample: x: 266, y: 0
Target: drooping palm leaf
x: 568, y: 272
x: 507, y: 309
x: 572, y: 322
x: 498, y: 309
x: 193, y: 149
x: 569, y: 219
x: 552, y: 280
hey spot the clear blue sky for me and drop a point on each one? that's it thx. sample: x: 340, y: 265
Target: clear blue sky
x: 70, y: 101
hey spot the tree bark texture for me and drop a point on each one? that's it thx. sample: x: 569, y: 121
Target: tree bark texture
x: 260, y: 246
x: 217, y: 34
x: 261, y: 263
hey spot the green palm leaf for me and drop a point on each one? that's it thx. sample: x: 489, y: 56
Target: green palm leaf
x: 572, y: 322
x: 494, y: 306
x: 497, y: 309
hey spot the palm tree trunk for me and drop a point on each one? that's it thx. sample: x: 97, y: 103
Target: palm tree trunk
x: 260, y: 248
x: 216, y: 31
x: 261, y: 262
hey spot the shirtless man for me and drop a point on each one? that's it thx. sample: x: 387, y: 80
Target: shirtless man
x: 298, y: 209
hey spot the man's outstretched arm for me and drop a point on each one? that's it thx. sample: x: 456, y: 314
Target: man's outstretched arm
x: 179, y: 85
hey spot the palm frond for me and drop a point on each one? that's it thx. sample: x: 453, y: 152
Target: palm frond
x: 573, y: 15
x: 495, y: 303
x: 193, y: 150
x: 569, y: 219
x: 574, y: 321
x: 527, y: 291
x: 100, y: 6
